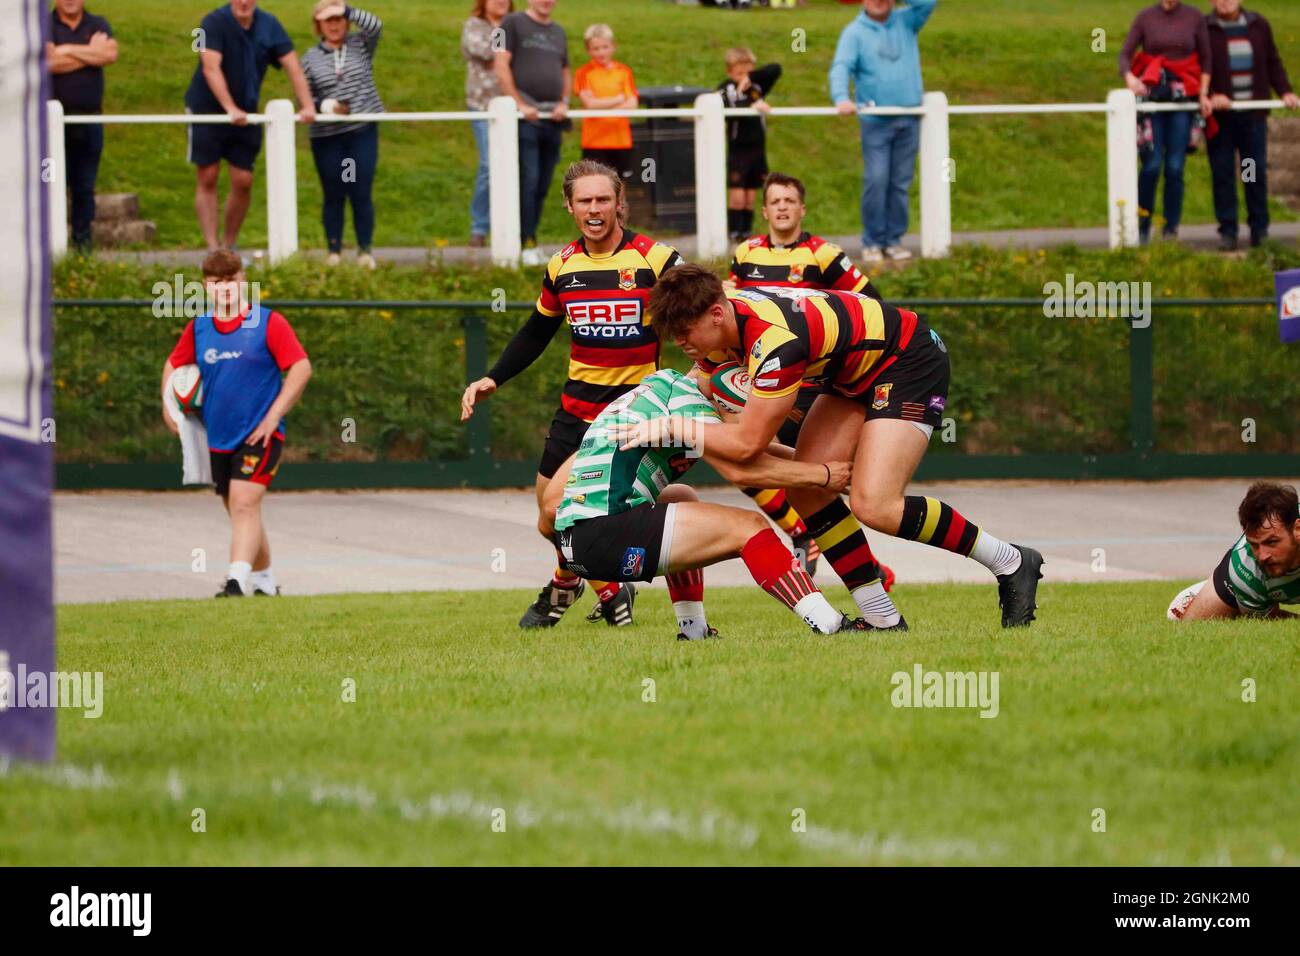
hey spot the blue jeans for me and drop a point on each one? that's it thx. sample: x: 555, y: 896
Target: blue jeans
x: 341, y: 182
x: 1169, y: 132
x: 82, y: 147
x: 539, y: 152
x: 889, y: 145
x: 480, y: 209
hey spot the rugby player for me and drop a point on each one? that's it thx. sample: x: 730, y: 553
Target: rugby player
x: 788, y: 256
x: 1261, y: 571
x: 619, y: 514
x: 598, y: 284
x: 254, y: 370
x: 882, y: 374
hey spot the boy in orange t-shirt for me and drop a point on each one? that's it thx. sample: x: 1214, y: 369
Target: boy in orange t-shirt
x: 605, y: 84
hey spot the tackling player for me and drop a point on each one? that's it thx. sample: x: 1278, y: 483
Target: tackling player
x: 883, y: 376
x: 619, y: 514
x: 1261, y: 570
x: 788, y: 256
x: 253, y: 370
x: 597, y: 285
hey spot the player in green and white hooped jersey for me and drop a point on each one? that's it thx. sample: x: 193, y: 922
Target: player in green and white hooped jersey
x: 620, y: 516
x: 1261, y: 570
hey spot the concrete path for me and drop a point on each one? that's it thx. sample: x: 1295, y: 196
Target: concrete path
x: 123, y: 545
x: 1203, y: 236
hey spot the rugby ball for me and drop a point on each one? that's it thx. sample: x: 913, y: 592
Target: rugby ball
x: 1180, y: 603
x: 730, y: 386
x: 187, y: 386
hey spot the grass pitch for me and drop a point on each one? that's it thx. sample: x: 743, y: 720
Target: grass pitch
x: 460, y: 721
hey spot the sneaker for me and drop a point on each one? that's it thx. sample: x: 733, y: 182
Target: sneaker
x: 552, y: 601
x: 1227, y: 243
x: 366, y: 261
x: 617, y: 611
x: 1257, y: 239
x: 1017, y: 591
x: 477, y: 241
x: 872, y: 255
x: 532, y: 256
x: 232, y: 589
x: 711, y: 632
x: 898, y: 253
x: 806, y: 550
x: 1169, y: 233
x: 333, y: 259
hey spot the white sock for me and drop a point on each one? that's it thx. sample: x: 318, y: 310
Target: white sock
x: 998, y: 556
x: 817, y: 611
x: 690, y: 619
x: 264, y: 580
x: 875, y: 605
x: 241, y: 571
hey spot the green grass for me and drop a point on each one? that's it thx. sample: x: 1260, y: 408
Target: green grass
x: 1012, y: 172
x: 236, y: 709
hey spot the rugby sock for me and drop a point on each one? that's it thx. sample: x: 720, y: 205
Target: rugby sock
x: 930, y: 521
x: 606, y: 590
x: 264, y: 580
x: 776, y: 572
x: 241, y: 571
x: 844, y: 545
x: 563, y: 577
x: 775, y: 506
x: 686, y: 590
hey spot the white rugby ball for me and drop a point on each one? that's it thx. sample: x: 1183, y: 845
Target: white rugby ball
x: 187, y: 386
x: 1178, y: 607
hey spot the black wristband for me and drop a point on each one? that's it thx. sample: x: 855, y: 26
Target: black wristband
x: 827, y: 482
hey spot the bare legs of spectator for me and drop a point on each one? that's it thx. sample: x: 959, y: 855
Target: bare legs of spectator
x: 206, y: 203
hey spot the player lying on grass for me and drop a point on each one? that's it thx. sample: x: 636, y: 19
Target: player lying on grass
x: 1260, y: 571
x: 882, y: 374
x: 242, y: 354
x: 619, y: 516
x: 789, y: 256
x: 597, y: 285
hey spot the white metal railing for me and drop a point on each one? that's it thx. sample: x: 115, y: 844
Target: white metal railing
x: 709, y: 116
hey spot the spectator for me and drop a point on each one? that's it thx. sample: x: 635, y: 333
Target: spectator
x: 477, y: 46
x: 81, y: 46
x: 746, y: 136
x: 603, y: 83
x: 533, y: 69
x: 1244, y: 65
x: 339, y: 73
x: 237, y: 43
x: 879, y: 53
x: 1171, y: 68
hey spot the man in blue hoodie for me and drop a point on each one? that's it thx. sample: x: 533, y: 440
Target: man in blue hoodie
x: 878, y: 53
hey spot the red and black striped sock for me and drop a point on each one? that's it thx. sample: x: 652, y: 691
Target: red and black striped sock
x: 844, y: 544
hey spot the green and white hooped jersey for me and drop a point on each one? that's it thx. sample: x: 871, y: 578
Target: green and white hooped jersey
x: 606, y: 481
x: 1255, y: 591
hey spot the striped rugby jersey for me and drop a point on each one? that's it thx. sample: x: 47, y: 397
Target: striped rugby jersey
x: 603, y: 299
x: 793, y: 336
x: 606, y: 481
x: 345, y: 74
x: 1255, y: 591
x: 810, y: 262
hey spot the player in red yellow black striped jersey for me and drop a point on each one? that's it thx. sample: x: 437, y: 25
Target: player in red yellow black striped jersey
x: 788, y: 256
x: 882, y: 376
x: 598, y: 285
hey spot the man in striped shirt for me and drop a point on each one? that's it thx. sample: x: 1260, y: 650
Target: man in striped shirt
x: 598, y: 286
x: 1244, y: 65
x: 1261, y: 570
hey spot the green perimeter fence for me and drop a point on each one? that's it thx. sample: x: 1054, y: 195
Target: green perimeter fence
x: 1205, y: 390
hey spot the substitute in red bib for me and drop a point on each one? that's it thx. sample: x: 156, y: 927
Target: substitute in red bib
x: 253, y: 370
x: 598, y: 285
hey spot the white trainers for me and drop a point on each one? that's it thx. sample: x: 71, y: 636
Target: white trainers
x: 533, y: 257
x: 333, y: 259
x: 872, y: 255
x: 366, y: 261
x: 898, y: 253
